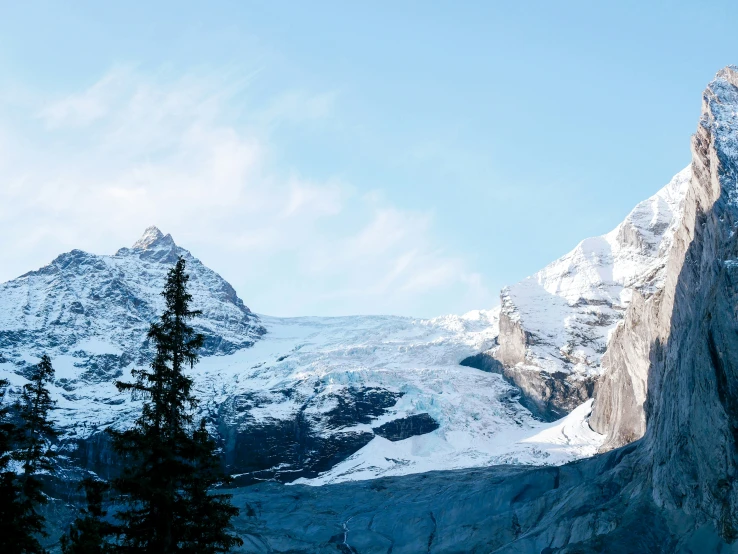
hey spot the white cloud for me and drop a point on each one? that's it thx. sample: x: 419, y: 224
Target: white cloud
x: 134, y: 149
x: 90, y: 105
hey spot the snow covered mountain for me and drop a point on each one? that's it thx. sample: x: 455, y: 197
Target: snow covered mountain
x: 328, y: 399
x: 555, y: 326
x: 333, y: 399
x: 89, y: 307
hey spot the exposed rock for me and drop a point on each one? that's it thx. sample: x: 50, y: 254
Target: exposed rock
x: 484, y: 361
x: 547, y: 396
x: 620, y: 394
x: 313, y: 441
x: 406, y: 427
x: 550, y: 396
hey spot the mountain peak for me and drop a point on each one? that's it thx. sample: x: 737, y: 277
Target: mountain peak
x: 151, y: 235
x: 728, y: 73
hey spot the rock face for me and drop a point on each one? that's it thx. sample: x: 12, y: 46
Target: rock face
x: 556, y: 327
x: 401, y: 429
x: 325, y: 430
x: 692, y: 409
x: 630, y: 363
x: 674, y: 490
x: 621, y: 391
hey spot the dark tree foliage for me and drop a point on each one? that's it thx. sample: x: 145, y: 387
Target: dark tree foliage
x: 21, y: 524
x: 11, y: 511
x: 210, y: 512
x: 34, y: 410
x: 90, y: 533
x: 168, y: 466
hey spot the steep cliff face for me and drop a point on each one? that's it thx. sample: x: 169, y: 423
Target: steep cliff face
x: 556, y: 327
x: 674, y: 490
x: 699, y: 261
x: 693, y: 387
x: 620, y: 393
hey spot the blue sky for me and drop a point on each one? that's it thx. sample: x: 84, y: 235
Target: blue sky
x: 333, y: 158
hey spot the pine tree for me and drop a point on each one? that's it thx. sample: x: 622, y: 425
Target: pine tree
x: 211, y: 513
x: 89, y: 534
x: 35, y: 454
x: 11, y: 512
x: 169, y: 467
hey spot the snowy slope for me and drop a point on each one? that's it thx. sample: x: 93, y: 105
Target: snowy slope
x: 458, y: 447
x: 314, y: 360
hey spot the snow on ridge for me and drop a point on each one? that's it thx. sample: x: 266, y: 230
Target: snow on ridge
x: 150, y: 236
x: 570, y: 307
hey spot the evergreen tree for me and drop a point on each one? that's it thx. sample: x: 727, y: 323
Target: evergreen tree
x: 10, y: 491
x: 210, y: 513
x: 90, y: 532
x: 168, y: 467
x: 35, y: 454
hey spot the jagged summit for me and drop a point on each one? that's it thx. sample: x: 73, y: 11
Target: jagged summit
x: 151, y: 235
x: 155, y: 246
x: 728, y: 73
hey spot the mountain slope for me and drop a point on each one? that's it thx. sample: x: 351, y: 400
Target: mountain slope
x: 674, y: 490
x: 555, y: 326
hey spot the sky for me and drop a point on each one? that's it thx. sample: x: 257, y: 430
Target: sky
x: 336, y: 158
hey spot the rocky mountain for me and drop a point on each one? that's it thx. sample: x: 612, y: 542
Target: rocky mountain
x: 334, y: 399
x: 97, y: 309
x: 318, y: 399
x: 674, y: 490
x: 555, y: 326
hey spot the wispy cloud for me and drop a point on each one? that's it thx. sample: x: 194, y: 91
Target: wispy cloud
x: 136, y: 148
x: 90, y: 105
